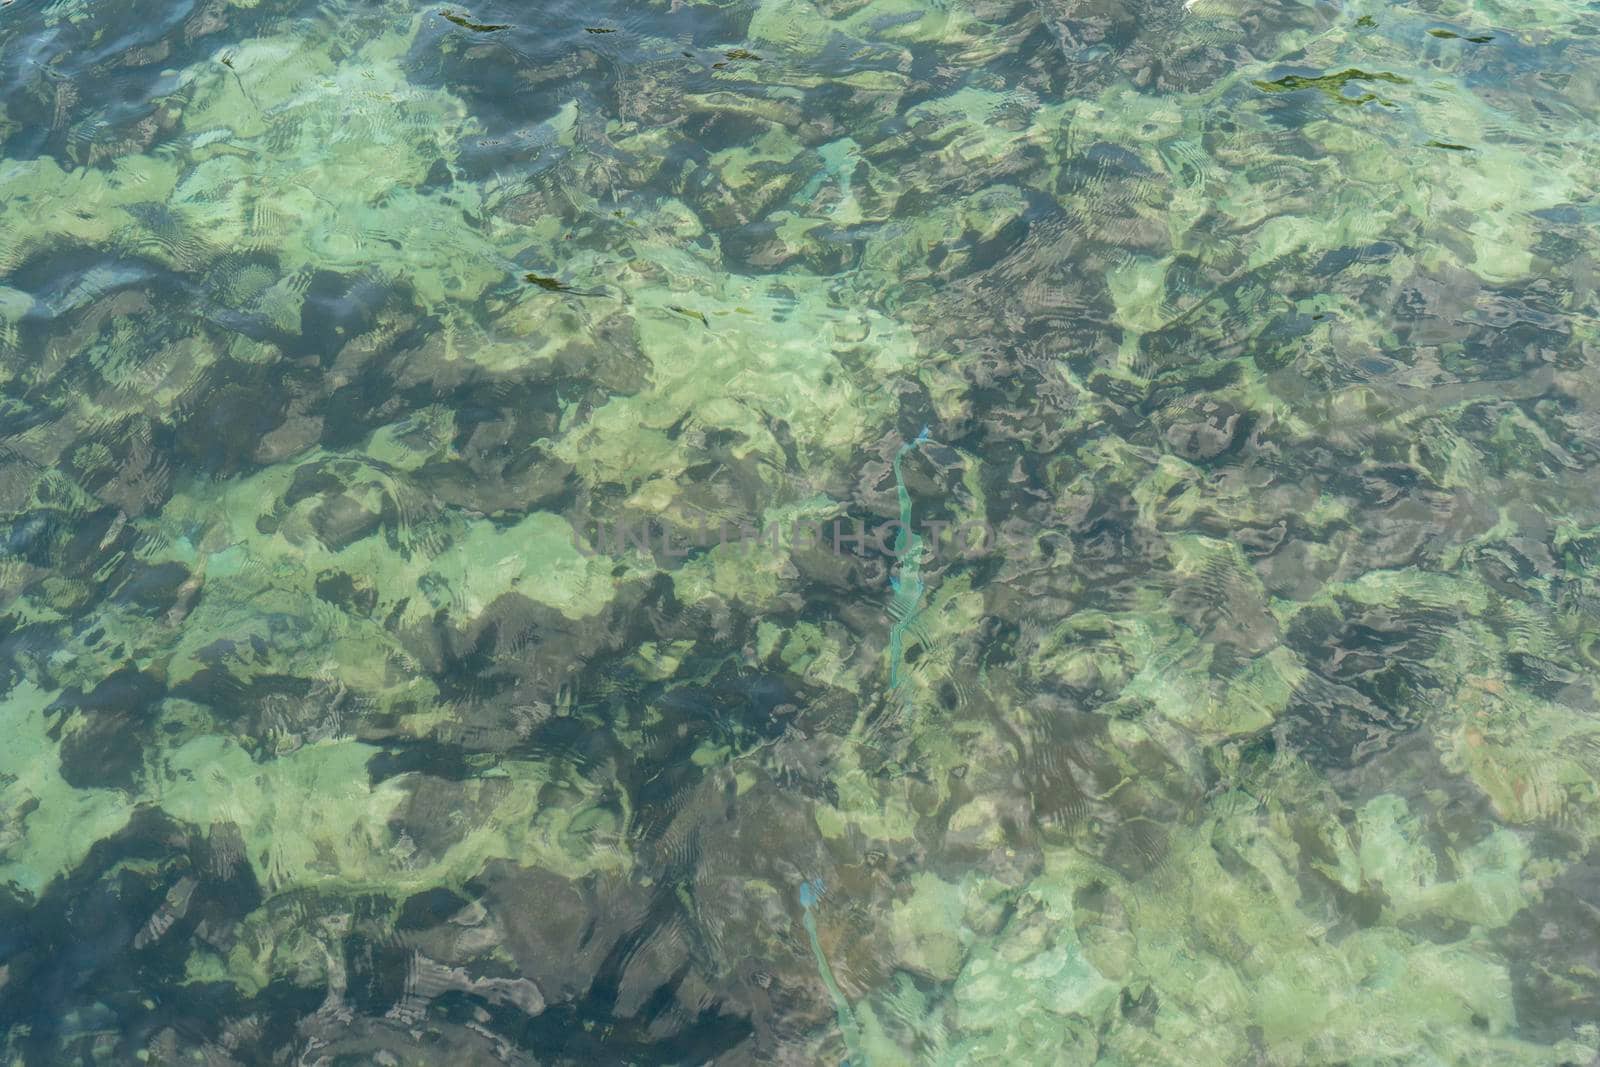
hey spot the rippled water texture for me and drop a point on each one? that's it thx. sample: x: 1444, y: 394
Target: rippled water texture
x: 1220, y: 380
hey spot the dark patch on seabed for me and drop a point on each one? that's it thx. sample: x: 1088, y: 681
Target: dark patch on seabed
x: 1229, y: 697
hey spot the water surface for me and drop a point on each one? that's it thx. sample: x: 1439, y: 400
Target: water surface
x: 799, y: 531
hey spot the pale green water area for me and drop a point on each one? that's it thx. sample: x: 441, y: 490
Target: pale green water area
x: 416, y: 425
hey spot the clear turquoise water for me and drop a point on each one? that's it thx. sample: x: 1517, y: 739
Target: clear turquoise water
x: 793, y: 531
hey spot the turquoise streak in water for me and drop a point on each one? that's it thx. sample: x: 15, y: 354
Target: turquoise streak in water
x: 810, y: 893
x: 906, y: 605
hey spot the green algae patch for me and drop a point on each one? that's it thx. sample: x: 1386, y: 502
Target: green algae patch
x: 1138, y: 288
x: 304, y: 817
x: 1039, y: 949
x: 807, y: 28
x: 1252, y: 954
x: 46, y: 204
x: 1333, y: 86
x: 759, y: 349
x: 863, y: 811
x: 1249, y: 701
x: 1534, y: 763
x: 539, y: 557
x: 313, y: 817
x: 1490, y: 891
x: 349, y: 140
x: 750, y: 575
x: 49, y: 825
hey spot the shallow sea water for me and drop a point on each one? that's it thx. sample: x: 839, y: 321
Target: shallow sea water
x: 799, y: 531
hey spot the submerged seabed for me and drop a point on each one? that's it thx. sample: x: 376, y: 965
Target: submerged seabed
x: 1264, y: 333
